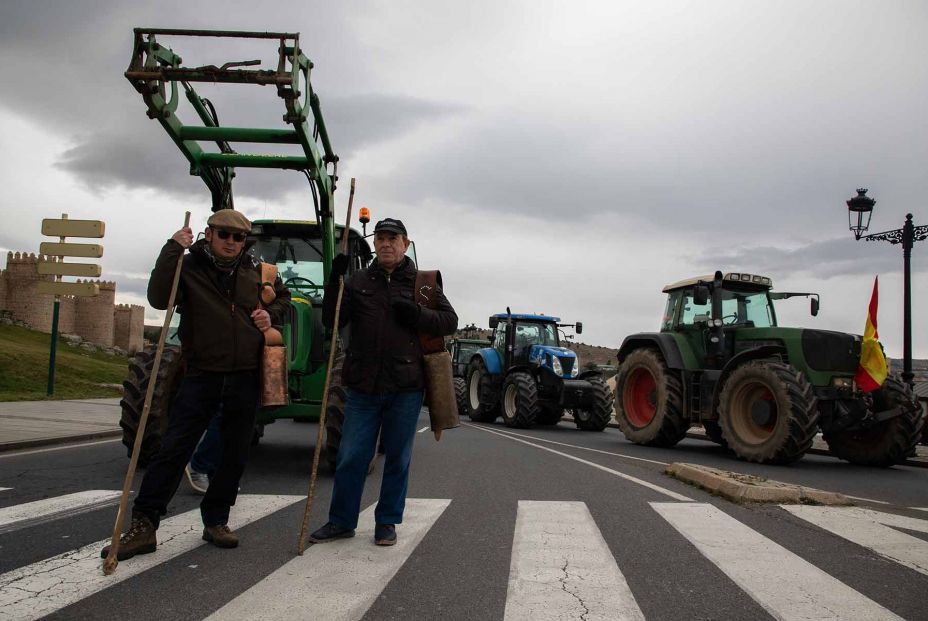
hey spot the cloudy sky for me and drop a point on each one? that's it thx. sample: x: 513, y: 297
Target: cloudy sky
x: 561, y: 157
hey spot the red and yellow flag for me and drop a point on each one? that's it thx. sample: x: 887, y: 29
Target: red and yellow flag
x: 872, y: 370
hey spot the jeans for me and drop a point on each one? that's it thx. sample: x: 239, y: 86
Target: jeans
x: 209, y: 451
x: 396, y: 415
x: 198, y: 399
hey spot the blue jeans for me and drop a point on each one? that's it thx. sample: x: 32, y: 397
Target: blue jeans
x: 396, y: 414
x: 209, y: 451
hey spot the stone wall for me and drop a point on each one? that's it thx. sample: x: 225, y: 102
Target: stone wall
x: 129, y: 322
x: 93, y: 316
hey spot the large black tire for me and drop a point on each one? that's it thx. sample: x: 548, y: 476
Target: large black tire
x: 886, y: 443
x: 335, y: 412
x: 768, y: 412
x: 649, y: 404
x: 170, y: 372
x: 482, y: 402
x: 549, y: 414
x: 520, y: 400
x: 714, y: 432
x: 460, y: 395
x: 598, y: 416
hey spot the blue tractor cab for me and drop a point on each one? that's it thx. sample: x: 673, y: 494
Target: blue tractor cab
x: 529, y: 378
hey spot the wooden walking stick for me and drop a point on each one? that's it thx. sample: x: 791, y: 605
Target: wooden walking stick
x: 325, y: 390
x: 110, y: 563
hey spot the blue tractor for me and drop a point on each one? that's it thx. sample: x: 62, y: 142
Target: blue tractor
x: 526, y: 377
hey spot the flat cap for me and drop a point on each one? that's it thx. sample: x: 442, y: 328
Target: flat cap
x: 230, y: 220
x: 390, y: 224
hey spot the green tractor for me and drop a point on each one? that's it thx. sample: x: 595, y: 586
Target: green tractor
x: 461, y: 350
x: 526, y: 376
x: 762, y: 390
x: 302, y: 250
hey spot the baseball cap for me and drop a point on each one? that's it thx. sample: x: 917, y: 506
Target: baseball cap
x: 390, y: 224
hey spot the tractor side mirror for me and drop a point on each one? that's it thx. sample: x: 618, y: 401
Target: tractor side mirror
x: 494, y: 321
x: 814, y: 307
x: 700, y: 295
x: 579, y: 327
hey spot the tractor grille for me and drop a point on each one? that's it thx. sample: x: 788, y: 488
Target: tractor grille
x: 831, y: 351
x: 567, y: 365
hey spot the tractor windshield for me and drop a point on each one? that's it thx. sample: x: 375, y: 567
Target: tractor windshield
x: 298, y: 260
x: 747, y: 307
x: 535, y: 334
x: 466, y: 350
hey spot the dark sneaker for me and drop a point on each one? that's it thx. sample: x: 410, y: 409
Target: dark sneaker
x: 139, y: 539
x: 220, y: 536
x: 199, y: 481
x: 331, y: 532
x: 385, y: 534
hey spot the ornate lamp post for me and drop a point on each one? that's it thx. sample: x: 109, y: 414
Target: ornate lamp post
x: 860, y: 208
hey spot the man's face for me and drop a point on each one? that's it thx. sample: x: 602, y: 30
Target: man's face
x: 227, y: 248
x: 390, y: 248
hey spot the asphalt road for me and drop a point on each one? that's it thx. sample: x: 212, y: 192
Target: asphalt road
x: 501, y: 500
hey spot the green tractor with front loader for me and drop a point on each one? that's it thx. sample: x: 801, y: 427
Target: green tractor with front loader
x: 302, y: 250
x: 762, y: 390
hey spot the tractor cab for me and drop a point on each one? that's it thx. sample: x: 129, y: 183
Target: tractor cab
x: 533, y: 340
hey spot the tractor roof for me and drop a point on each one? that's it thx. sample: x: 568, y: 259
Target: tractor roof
x: 526, y: 317
x: 740, y: 278
x: 273, y: 226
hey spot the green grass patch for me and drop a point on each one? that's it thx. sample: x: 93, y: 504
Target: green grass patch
x: 78, y: 374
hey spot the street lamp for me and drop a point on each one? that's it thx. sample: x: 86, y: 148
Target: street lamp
x: 860, y: 208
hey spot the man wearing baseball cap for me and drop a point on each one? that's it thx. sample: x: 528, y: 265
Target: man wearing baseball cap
x: 222, y: 336
x: 384, y: 376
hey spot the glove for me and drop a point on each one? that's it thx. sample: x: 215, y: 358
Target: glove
x: 405, y: 311
x: 339, y: 266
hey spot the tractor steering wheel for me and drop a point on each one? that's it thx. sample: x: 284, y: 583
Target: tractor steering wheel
x: 295, y: 281
x: 733, y: 318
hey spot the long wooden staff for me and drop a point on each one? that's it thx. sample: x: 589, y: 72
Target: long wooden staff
x: 325, y: 390
x: 110, y: 563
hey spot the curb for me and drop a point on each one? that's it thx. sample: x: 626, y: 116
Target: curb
x: 27, y: 444
x: 742, y: 488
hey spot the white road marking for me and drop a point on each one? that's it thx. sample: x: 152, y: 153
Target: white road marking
x: 3, y: 489
x: 337, y: 580
x: 920, y: 508
x: 56, y: 448
x: 652, y: 486
x: 872, y: 529
x: 45, y: 510
x: 421, y: 430
x: 784, y: 584
x: 582, y: 448
x: 562, y: 568
x: 876, y: 502
x: 47, y: 586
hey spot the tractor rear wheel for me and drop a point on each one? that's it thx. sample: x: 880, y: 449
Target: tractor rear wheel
x: 482, y: 399
x: 170, y: 372
x: 600, y: 412
x: 520, y: 400
x: 714, y: 432
x: 769, y: 413
x: 460, y: 395
x: 334, y: 412
x: 888, y: 442
x: 649, y: 404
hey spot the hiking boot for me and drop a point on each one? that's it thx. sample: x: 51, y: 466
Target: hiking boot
x: 385, y: 534
x: 331, y: 532
x: 220, y: 536
x: 139, y: 539
x: 199, y: 481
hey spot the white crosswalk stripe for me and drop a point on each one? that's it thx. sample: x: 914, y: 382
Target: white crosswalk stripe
x: 39, y: 511
x: 338, y: 580
x: 42, y: 588
x: 561, y: 567
x: 784, y: 584
x: 872, y: 529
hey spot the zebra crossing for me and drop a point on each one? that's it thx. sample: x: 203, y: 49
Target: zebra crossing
x: 561, y: 566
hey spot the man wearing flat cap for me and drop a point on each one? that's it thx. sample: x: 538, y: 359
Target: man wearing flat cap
x: 385, y: 378
x: 221, y: 330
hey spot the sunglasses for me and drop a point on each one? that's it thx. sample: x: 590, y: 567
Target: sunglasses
x: 239, y: 237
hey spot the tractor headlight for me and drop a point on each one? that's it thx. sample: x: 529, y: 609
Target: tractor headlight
x: 574, y: 372
x: 842, y: 382
x: 556, y: 366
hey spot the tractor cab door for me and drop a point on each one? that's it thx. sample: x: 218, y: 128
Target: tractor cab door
x: 501, y: 344
x: 693, y: 322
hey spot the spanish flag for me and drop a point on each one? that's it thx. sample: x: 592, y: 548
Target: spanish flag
x: 872, y: 370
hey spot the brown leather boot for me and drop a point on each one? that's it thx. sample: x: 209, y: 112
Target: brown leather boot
x: 139, y: 539
x: 220, y: 536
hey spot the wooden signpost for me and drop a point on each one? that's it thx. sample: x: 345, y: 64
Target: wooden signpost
x: 63, y: 229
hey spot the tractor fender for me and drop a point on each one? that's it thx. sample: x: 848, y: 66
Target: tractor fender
x: 661, y: 341
x: 736, y: 361
x: 491, y: 360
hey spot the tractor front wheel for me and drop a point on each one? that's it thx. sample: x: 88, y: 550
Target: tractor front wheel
x: 520, y: 400
x: 482, y: 399
x: 888, y: 442
x: 714, y: 432
x: 460, y: 395
x: 334, y: 412
x: 170, y: 372
x: 769, y: 413
x: 649, y: 404
x: 600, y: 412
